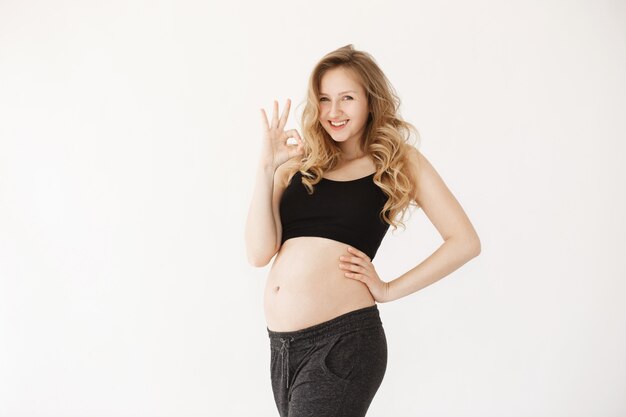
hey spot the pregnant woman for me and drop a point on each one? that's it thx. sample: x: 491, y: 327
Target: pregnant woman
x: 321, y: 208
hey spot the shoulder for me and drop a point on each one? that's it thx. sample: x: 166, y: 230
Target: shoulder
x: 413, y: 153
x: 413, y: 166
x: 419, y: 169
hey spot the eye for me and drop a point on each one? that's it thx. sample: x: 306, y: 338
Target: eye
x: 324, y: 98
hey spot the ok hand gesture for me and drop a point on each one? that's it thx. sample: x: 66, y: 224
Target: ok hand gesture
x: 275, y: 150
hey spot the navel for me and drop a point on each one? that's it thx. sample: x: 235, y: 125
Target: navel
x: 277, y: 288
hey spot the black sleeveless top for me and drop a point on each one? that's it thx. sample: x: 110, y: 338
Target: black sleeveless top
x: 344, y: 211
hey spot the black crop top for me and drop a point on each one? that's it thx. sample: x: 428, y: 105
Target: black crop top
x: 345, y: 211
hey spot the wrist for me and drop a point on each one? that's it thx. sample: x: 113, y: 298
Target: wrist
x: 266, y: 167
x: 389, y: 292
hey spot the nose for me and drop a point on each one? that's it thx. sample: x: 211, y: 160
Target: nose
x: 335, y: 110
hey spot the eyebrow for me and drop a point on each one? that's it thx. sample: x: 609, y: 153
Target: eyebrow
x: 343, y: 92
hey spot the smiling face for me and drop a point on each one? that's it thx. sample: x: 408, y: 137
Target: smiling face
x: 342, y: 98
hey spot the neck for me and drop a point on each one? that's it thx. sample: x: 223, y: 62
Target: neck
x: 352, y: 155
x: 351, y: 158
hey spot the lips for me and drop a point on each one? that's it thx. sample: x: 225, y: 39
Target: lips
x: 339, y: 127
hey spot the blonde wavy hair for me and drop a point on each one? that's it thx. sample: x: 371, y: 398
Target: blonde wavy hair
x: 386, y: 135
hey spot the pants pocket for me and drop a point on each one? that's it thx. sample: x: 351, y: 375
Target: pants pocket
x: 341, y: 356
x: 360, y: 354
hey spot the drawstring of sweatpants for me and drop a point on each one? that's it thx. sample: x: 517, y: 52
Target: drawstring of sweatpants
x: 285, y: 361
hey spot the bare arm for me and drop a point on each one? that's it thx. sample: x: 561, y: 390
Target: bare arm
x: 260, y: 225
x: 461, y: 242
x: 263, y: 229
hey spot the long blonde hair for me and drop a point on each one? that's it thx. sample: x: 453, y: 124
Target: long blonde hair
x: 386, y: 134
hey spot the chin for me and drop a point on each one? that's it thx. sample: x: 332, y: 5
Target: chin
x: 337, y: 139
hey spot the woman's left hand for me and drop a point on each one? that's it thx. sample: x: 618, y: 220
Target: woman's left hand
x: 358, y: 266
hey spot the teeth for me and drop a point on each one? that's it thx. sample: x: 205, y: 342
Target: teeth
x: 339, y: 124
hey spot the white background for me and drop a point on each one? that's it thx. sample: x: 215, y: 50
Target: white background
x: 129, y: 137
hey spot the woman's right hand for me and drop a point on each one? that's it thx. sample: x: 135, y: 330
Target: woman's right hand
x: 275, y: 150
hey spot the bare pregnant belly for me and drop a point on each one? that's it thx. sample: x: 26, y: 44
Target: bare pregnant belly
x: 306, y: 287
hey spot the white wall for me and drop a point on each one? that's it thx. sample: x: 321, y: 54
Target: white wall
x: 129, y: 136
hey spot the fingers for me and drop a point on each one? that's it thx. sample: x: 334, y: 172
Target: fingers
x: 352, y: 267
x: 293, y: 133
x: 285, y: 115
x: 275, y: 114
x: 297, y: 135
x: 301, y: 144
x: 292, y: 149
x: 264, y: 121
x: 358, y: 253
x: 276, y: 122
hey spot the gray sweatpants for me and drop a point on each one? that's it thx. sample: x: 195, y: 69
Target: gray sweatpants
x: 331, y: 369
